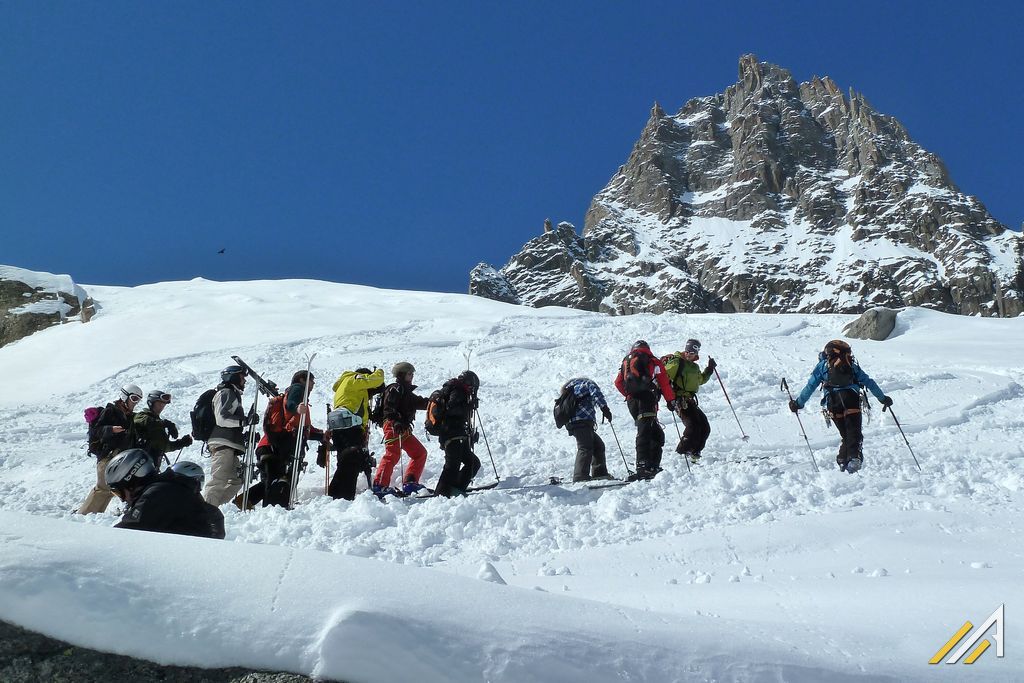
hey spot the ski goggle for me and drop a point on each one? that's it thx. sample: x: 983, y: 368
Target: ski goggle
x: 166, y: 398
x: 135, y: 397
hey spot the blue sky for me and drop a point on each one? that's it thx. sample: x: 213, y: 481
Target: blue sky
x: 398, y: 144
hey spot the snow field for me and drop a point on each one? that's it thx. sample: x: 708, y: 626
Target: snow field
x: 741, y: 546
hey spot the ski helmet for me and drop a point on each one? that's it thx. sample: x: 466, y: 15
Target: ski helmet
x: 692, y: 346
x: 231, y: 373
x: 131, y: 392
x: 470, y: 379
x: 192, y: 470
x: 403, y: 368
x: 129, y: 469
x: 640, y: 344
x: 157, y: 395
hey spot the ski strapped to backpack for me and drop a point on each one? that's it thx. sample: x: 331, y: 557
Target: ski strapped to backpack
x: 565, y: 405
x: 638, y: 372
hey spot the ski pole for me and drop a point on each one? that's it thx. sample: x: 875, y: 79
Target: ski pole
x: 179, y: 455
x: 327, y: 454
x: 904, y: 435
x: 250, y: 449
x: 476, y: 414
x: 300, y: 438
x: 686, y: 458
x: 628, y: 471
x: 722, y: 384
x: 784, y: 386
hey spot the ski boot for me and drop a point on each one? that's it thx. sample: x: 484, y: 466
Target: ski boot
x: 411, y: 487
x: 853, y: 465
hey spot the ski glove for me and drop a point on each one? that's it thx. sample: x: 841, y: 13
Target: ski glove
x: 711, y: 365
x: 252, y: 419
x: 172, y: 429
x: 671, y: 405
x: 475, y: 437
x: 886, y: 401
x: 606, y: 414
x: 794, y: 406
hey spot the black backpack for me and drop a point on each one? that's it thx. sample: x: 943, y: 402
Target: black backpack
x: 437, y: 406
x: 840, y: 361
x: 202, y: 416
x: 565, y: 406
x: 92, y: 418
x: 637, y: 373
x: 377, y: 410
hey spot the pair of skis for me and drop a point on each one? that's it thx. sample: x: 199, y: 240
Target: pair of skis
x: 268, y: 389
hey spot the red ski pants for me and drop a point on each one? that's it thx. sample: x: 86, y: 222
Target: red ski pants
x: 394, y: 444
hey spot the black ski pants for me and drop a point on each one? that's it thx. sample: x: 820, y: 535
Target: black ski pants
x: 460, y: 466
x: 650, y: 437
x: 274, y: 468
x: 590, y: 452
x: 696, y: 428
x: 845, y: 409
x: 353, y: 459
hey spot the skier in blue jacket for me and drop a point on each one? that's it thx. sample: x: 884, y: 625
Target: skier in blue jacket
x: 841, y: 379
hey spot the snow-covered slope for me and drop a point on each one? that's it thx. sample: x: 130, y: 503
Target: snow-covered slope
x: 750, y: 569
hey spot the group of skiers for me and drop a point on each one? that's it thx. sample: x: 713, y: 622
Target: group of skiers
x: 131, y: 447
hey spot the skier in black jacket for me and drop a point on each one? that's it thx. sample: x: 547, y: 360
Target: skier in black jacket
x: 458, y: 436
x: 166, y: 503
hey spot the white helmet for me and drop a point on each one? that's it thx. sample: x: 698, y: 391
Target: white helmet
x: 193, y: 471
x: 131, y: 390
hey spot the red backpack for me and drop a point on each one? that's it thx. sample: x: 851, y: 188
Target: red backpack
x: 275, y: 419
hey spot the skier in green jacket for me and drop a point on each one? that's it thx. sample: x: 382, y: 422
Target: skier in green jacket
x: 155, y: 434
x: 687, y: 379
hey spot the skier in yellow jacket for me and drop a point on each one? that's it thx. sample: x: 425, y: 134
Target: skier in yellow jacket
x: 349, y: 423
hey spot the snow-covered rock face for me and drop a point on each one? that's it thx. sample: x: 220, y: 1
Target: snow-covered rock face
x: 773, y: 197
x: 32, y: 301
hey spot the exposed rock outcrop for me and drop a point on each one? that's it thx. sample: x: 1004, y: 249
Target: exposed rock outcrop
x: 31, y: 301
x: 773, y: 196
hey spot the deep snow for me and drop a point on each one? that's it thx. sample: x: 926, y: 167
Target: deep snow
x: 746, y: 570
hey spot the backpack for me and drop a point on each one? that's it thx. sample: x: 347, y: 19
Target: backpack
x: 637, y: 373
x: 437, y: 406
x: 92, y: 417
x: 377, y: 410
x: 673, y: 363
x: 274, y: 418
x: 565, y: 406
x: 202, y: 416
x: 839, y: 360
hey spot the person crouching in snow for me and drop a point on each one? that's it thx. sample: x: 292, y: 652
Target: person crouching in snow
x: 590, y: 450
x: 166, y: 503
x: 841, y: 379
x: 400, y: 404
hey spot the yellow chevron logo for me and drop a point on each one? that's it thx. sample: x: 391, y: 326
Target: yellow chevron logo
x: 994, y: 619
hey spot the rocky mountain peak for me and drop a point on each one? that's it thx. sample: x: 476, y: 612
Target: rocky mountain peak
x: 772, y: 196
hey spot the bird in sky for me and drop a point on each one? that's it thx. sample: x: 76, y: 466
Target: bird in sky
x: 221, y: 251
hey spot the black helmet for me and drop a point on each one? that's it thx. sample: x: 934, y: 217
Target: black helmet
x: 191, y: 470
x: 470, y: 379
x: 129, y: 469
x: 231, y: 373
x: 641, y: 344
x: 157, y: 395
